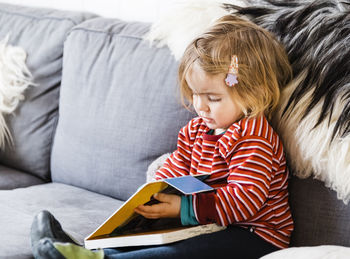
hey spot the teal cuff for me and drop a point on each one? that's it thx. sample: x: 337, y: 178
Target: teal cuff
x: 187, y: 213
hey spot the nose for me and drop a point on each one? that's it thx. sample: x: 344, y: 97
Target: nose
x: 200, y: 104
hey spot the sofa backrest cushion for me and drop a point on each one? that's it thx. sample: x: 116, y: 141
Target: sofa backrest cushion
x: 119, y: 107
x: 320, y: 218
x: 41, y: 33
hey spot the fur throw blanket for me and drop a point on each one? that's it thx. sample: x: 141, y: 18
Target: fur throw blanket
x: 314, y: 113
x: 14, y: 79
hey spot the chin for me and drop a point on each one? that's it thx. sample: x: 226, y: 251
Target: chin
x: 210, y: 126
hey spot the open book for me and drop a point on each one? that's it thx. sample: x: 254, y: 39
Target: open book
x: 126, y: 228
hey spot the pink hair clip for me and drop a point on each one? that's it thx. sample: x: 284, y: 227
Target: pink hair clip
x: 231, y: 78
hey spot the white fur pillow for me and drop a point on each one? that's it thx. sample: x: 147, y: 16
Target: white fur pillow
x: 14, y: 79
x: 186, y: 21
x: 154, y: 166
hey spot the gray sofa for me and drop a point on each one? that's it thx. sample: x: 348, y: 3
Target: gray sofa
x: 105, y: 106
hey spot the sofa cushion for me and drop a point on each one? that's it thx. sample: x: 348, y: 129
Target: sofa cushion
x: 319, y: 217
x: 79, y: 211
x: 11, y: 178
x: 41, y: 33
x: 119, y: 108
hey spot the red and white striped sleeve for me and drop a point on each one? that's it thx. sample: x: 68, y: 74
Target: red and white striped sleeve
x: 179, y: 162
x: 250, y: 167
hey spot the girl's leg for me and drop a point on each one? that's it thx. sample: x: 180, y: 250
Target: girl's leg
x: 234, y: 242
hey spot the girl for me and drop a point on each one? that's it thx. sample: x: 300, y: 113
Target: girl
x: 232, y: 76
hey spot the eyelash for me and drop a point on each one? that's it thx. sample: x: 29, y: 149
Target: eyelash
x: 210, y: 99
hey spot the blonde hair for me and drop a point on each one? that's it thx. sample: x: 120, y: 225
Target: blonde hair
x: 263, y: 64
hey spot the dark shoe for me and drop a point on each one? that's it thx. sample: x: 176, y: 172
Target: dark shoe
x: 46, y: 226
x: 45, y: 249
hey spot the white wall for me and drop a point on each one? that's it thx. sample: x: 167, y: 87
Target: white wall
x: 131, y: 10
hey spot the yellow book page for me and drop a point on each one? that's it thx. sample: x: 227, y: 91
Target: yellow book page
x: 142, y: 196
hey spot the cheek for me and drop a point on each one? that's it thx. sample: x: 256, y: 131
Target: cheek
x: 216, y: 110
x: 224, y: 113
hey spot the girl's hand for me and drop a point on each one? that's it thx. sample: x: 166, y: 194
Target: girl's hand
x: 169, y: 207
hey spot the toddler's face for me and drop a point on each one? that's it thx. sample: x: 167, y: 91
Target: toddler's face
x: 212, y: 100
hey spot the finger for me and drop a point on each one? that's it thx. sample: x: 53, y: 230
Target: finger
x: 147, y: 214
x: 154, y: 211
x: 150, y: 216
x: 151, y: 209
x: 162, y: 197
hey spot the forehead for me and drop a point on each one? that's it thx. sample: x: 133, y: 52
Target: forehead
x: 201, y: 82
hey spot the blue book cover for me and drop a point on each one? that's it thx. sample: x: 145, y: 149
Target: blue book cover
x: 188, y: 184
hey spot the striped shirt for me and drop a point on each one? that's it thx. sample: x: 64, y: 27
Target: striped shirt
x: 247, y: 168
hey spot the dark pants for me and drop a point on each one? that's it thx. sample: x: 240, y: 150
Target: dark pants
x: 234, y: 242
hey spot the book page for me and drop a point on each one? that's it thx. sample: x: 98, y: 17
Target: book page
x: 126, y: 211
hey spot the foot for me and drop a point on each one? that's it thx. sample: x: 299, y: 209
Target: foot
x: 45, y: 249
x: 46, y: 226
x: 48, y: 249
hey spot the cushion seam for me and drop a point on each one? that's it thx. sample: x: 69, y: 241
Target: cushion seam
x: 107, y: 33
x: 39, y: 18
x: 51, y: 140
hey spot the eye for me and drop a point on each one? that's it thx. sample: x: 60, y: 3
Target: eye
x: 212, y: 98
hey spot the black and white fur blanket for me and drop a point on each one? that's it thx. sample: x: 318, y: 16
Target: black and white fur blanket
x: 314, y: 113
